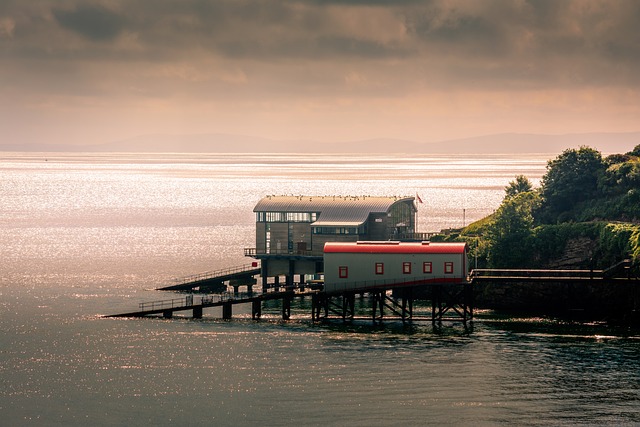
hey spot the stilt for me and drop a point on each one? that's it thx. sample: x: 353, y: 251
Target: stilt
x: 264, y: 275
x: 197, y: 312
x: 407, y: 305
x: 378, y: 304
x: 436, y: 303
x: 227, y: 310
x: 256, y: 309
x: 348, y: 306
x: 286, y: 308
x: 468, y: 300
x: 319, y: 307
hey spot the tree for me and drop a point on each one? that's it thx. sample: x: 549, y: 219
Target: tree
x: 520, y: 185
x: 571, y: 178
x: 509, y: 234
x: 635, y: 151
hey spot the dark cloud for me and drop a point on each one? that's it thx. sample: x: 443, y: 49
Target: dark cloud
x: 362, y: 44
x: 93, y: 22
x: 461, y: 32
x: 312, y: 49
x: 382, y: 3
x: 270, y: 30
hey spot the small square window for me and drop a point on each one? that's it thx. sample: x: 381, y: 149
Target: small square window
x: 406, y: 268
x: 379, y: 268
x: 427, y: 267
x: 343, y: 272
x: 448, y: 268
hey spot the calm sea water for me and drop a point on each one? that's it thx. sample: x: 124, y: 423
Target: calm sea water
x: 86, y: 235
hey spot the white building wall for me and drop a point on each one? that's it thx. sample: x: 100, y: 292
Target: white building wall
x: 361, y: 269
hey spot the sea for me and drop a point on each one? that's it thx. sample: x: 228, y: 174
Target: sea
x: 84, y: 235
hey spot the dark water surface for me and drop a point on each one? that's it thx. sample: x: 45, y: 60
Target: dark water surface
x: 86, y: 236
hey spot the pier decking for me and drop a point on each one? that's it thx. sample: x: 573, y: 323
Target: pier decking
x: 214, y: 279
x: 395, y: 300
x: 226, y: 300
x: 450, y: 302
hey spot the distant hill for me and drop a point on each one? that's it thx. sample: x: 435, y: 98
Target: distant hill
x: 607, y: 143
x: 507, y: 143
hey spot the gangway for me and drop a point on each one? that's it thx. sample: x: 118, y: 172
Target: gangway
x: 226, y: 300
x: 495, y: 275
x: 213, y: 280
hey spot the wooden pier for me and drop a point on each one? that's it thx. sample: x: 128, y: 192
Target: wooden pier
x: 595, y: 291
x: 196, y: 304
x: 450, y: 302
x: 611, y: 295
x: 214, y: 280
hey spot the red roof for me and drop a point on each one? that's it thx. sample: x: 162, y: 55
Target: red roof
x: 386, y: 247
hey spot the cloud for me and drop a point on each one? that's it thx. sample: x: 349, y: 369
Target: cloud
x: 303, y: 58
x: 91, y: 21
x: 7, y: 26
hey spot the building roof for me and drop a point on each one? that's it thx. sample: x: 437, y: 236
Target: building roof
x: 331, y: 210
x: 391, y: 247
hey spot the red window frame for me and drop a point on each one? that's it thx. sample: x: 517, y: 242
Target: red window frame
x: 379, y: 267
x: 343, y: 272
x: 448, y: 267
x: 427, y: 267
x: 406, y: 268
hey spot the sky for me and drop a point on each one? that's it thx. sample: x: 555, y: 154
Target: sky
x: 94, y: 71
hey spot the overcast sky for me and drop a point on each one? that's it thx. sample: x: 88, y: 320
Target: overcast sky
x: 87, y: 72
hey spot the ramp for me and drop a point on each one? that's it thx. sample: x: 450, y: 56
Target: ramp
x: 213, y: 279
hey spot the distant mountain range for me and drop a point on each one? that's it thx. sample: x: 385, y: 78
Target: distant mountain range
x: 506, y: 143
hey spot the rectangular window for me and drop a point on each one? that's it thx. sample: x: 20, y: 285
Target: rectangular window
x: 343, y: 272
x: 379, y: 268
x: 406, y: 268
x: 448, y: 268
x: 427, y: 267
x: 274, y: 216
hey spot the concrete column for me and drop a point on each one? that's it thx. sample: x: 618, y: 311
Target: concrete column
x: 264, y: 273
x: 290, y: 276
x: 197, y: 312
x: 286, y: 308
x: 256, y: 309
x: 227, y: 310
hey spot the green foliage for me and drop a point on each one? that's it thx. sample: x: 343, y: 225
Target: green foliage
x: 509, y: 234
x: 520, y: 185
x: 634, y: 243
x: 616, y: 241
x: 621, y: 177
x: 635, y: 151
x: 571, y: 178
x: 479, y: 227
x: 550, y: 241
x: 586, y: 204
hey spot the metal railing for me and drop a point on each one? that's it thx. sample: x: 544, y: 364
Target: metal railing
x: 190, y: 301
x: 166, y: 304
x: 532, y: 273
x: 213, y: 274
x: 253, y: 252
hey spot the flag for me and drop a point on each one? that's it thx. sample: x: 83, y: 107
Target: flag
x: 418, y: 197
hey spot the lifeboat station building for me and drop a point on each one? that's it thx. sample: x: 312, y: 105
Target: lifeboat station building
x: 291, y: 231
